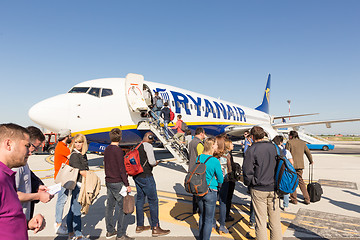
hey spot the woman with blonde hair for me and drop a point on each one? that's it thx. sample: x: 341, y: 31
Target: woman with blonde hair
x: 214, y: 178
x: 77, y: 160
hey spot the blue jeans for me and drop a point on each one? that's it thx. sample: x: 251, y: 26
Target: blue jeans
x: 286, y: 200
x: 207, y: 205
x: 114, y: 196
x: 73, y: 219
x: 146, y: 187
x: 222, y: 202
x: 166, y: 130
x: 156, y: 116
x: 60, y: 203
x: 252, y: 212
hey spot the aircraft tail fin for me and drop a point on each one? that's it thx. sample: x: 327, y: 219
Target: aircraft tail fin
x: 264, y: 107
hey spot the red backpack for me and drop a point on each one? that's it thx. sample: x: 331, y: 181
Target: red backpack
x: 172, y: 115
x: 132, y: 162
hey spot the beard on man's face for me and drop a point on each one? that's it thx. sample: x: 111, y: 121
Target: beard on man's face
x: 68, y: 141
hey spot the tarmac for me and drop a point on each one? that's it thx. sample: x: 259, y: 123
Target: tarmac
x: 335, y: 216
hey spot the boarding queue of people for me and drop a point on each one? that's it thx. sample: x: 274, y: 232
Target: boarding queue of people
x: 23, y: 188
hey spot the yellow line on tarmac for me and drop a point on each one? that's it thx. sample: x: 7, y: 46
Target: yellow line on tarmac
x: 348, y: 231
x: 180, y: 213
x: 352, y: 224
x: 43, y: 170
x: 48, y: 159
x: 47, y: 177
x: 306, y: 223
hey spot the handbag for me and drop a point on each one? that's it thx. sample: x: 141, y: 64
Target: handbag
x: 128, y: 204
x: 67, y: 176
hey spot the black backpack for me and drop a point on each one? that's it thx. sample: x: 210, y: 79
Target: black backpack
x: 235, y: 174
x: 195, y: 181
x: 184, y: 127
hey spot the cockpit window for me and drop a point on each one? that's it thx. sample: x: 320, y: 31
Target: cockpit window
x: 95, y: 92
x: 79, y: 90
x: 106, y: 92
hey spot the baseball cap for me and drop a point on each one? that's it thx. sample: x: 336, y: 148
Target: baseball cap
x: 64, y: 133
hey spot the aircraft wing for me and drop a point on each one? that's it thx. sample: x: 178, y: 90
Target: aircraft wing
x: 238, y: 131
x: 292, y: 116
x: 327, y: 123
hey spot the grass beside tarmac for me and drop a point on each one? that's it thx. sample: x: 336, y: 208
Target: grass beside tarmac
x: 341, y: 138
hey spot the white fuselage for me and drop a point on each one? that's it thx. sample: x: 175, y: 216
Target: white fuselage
x: 95, y: 115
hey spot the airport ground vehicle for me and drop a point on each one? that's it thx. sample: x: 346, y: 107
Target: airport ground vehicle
x: 311, y: 142
x: 50, y: 143
x: 315, y: 143
x: 321, y: 146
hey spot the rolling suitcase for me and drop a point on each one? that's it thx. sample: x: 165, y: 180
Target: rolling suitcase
x: 314, y: 189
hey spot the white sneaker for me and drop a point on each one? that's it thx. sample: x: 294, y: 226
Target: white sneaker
x: 82, y: 238
x: 60, y: 230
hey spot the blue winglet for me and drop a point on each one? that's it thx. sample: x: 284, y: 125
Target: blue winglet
x: 264, y: 107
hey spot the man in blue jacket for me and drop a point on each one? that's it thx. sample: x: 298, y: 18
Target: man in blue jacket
x: 259, y: 170
x: 165, y: 114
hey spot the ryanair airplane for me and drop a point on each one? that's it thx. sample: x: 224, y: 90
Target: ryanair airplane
x: 94, y: 107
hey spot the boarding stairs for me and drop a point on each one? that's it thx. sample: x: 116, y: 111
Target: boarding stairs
x: 174, y: 146
x: 134, y: 85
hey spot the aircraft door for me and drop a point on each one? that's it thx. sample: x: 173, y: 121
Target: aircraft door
x: 147, y: 95
x: 134, y: 92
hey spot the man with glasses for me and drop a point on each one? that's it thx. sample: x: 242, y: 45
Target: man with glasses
x: 30, y: 188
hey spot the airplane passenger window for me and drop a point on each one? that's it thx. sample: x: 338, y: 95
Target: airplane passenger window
x: 203, y: 108
x: 106, y: 92
x: 183, y: 105
x: 191, y: 106
x: 79, y: 90
x: 95, y: 92
x: 173, y: 103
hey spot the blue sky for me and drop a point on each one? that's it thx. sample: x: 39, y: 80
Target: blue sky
x: 219, y: 48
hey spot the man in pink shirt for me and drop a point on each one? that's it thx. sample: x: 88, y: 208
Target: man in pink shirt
x: 14, y: 152
x: 180, y: 134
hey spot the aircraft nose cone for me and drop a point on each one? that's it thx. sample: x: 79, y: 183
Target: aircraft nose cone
x: 51, y: 113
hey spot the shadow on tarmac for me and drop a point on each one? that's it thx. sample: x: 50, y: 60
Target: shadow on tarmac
x: 172, y: 166
x: 299, y: 233
x: 352, y: 193
x: 182, y: 211
x: 99, y: 161
x: 344, y: 205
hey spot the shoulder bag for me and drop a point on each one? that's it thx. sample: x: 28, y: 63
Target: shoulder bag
x: 67, y: 176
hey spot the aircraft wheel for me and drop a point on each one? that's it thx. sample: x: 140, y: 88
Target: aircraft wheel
x: 325, y: 148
